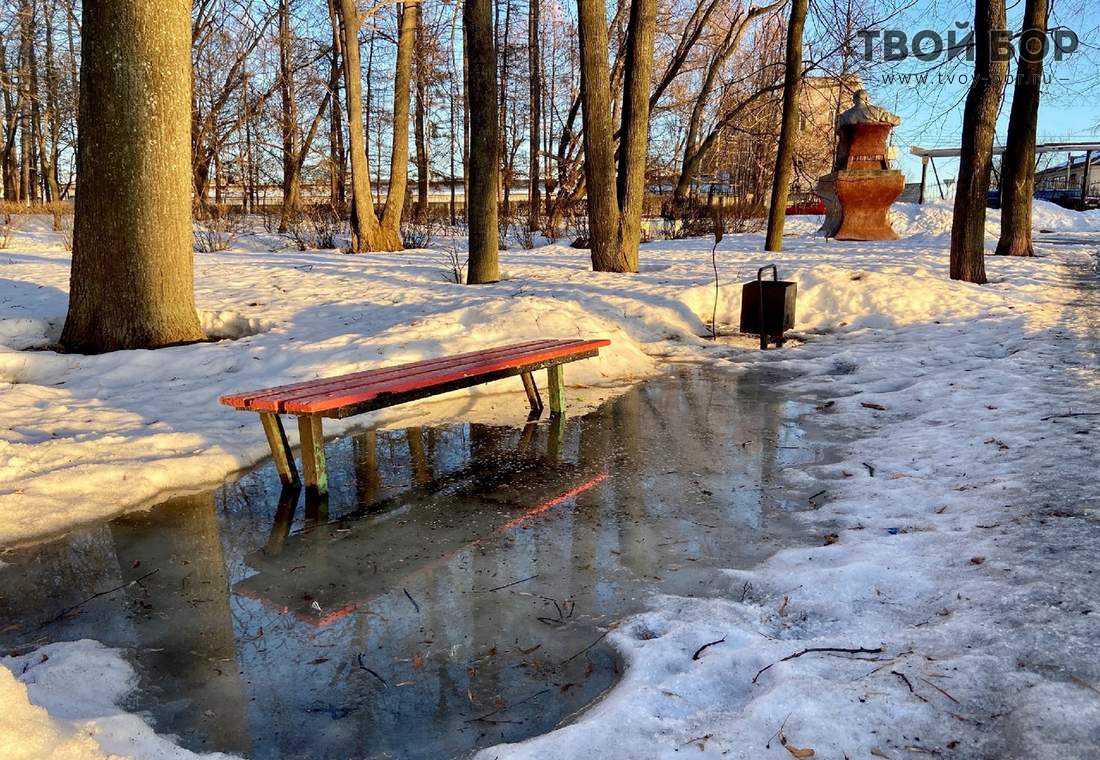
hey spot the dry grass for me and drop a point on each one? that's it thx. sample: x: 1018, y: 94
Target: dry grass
x: 19, y: 208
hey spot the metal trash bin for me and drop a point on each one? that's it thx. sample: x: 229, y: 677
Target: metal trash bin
x: 767, y: 306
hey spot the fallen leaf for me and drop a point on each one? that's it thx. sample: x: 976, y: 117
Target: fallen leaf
x: 799, y: 752
x: 977, y: 560
x: 319, y: 660
x: 870, y: 405
x: 879, y: 753
x: 831, y: 539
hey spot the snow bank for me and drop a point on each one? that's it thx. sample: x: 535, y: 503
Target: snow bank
x: 933, y: 219
x: 61, y: 702
x: 948, y: 580
x: 932, y: 552
x: 86, y: 436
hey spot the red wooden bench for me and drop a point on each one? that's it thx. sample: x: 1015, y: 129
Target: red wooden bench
x: 359, y: 392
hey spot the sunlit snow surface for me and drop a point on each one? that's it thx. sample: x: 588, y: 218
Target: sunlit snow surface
x: 965, y: 513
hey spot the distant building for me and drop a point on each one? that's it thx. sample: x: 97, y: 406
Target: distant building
x: 1068, y: 175
x: 742, y: 163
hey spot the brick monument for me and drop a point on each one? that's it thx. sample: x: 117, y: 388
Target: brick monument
x: 860, y: 189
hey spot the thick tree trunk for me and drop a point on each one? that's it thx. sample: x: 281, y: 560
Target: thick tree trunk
x: 788, y: 131
x: 615, y: 198
x: 365, y: 232
x: 534, y: 62
x: 635, y: 126
x: 976, y: 157
x: 482, y: 166
x: 1018, y: 162
x: 399, y: 158
x: 131, y: 284
x: 605, y: 240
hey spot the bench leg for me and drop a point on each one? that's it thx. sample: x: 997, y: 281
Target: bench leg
x: 280, y: 448
x: 313, y: 454
x: 284, y: 518
x: 555, y: 379
x: 533, y: 396
x: 555, y: 437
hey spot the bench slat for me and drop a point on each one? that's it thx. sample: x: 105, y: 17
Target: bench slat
x: 402, y: 372
x: 248, y: 399
x: 332, y: 399
x: 356, y: 389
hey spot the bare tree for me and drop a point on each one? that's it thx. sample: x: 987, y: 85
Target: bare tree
x: 407, y: 22
x: 295, y: 145
x: 338, y: 168
x: 788, y: 133
x: 421, y: 137
x: 131, y: 284
x: 534, y: 76
x: 1018, y: 163
x: 976, y: 157
x: 699, y: 141
x: 481, y: 200
x: 615, y: 193
x: 223, y: 37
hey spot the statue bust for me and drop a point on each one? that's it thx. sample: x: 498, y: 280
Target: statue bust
x: 862, y: 132
x: 864, y: 112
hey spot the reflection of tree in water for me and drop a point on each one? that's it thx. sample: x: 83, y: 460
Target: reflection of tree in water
x: 184, y: 634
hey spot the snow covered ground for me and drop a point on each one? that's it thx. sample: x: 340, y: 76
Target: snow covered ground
x: 954, y: 540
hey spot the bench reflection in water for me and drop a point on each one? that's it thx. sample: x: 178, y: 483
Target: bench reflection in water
x: 330, y: 569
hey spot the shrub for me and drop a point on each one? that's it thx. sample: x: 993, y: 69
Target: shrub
x: 219, y: 231
x: 9, y: 223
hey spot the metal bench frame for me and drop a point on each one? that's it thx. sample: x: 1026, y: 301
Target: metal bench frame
x: 311, y: 433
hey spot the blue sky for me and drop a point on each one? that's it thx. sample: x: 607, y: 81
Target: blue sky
x: 932, y: 112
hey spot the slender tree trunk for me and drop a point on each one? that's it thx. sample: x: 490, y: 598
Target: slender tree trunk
x: 976, y: 157
x: 482, y: 169
x: 534, y: 60
x: 503, y: 153
x: 465, y: 122
x: 26, y: 99
x: 8, y: 157
x: 788, y: 131
x: 339, y: 170
x: 131, y: 284
x: 53, y: 116
x: 365, y: 233
x: 1018, y: 161
x: 288, y: 123
x: 453, y: 115
x: 423, y: 177
x: 399, y: 158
